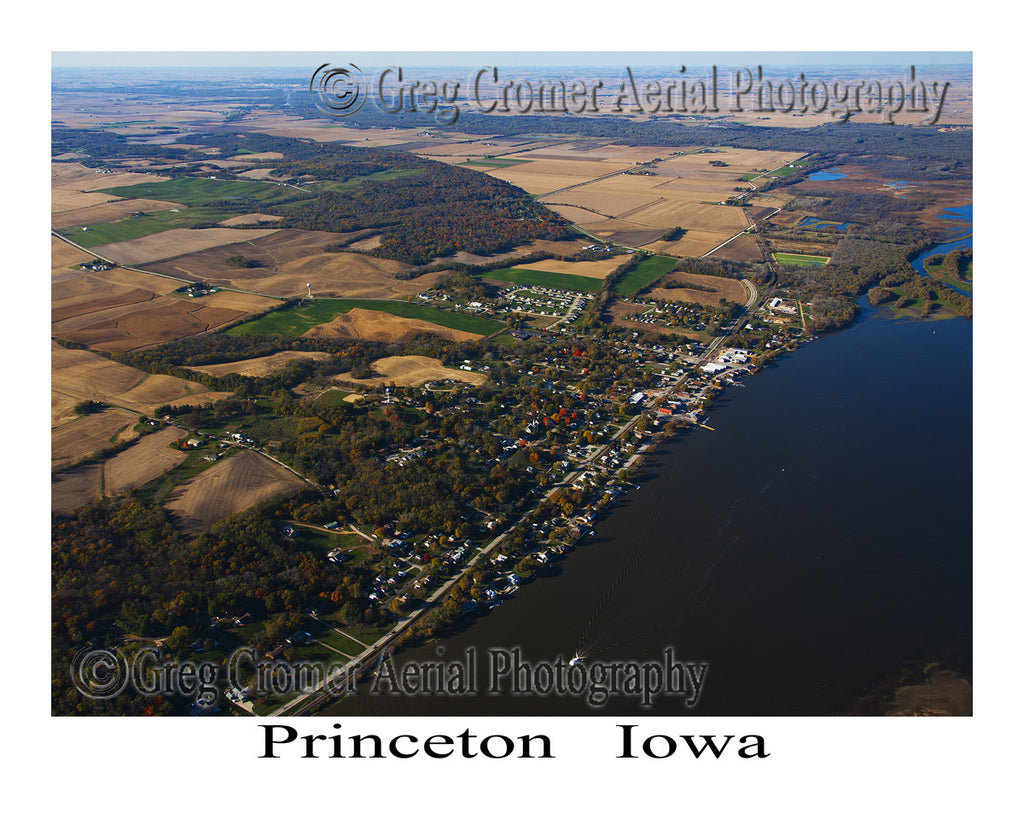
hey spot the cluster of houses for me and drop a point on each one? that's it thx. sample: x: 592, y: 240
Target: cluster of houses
x: 199, y: 289
x: 544, y: 301
x: 97, y: 265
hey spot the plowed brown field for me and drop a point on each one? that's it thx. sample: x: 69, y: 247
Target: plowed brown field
x: 377, y: 326
x: 230, y: 486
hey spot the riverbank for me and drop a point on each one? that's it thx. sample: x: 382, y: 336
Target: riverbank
x: 799, y: 549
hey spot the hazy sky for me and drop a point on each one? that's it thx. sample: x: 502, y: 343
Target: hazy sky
x: 303, y: 59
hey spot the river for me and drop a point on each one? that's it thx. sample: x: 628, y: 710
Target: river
x: 960, y: 216
x: 818, y: 540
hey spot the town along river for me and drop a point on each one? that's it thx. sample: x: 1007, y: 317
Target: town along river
x: 815, y: 543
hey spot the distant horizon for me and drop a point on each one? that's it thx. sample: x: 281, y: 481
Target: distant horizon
x: 443, y: 59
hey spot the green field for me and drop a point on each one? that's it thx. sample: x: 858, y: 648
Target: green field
x: 155, y: 221
x: 785, y: 170
x: 542, y: 278
x: 495, y: 163
x: 356, y: 181
x: 332, y: 398
x: 294, y: 321
x: 325, y: 541
x: 800, y: 259
x: 192, y: 191
x: 644, y: 273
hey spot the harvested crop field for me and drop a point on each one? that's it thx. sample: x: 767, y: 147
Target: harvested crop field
x: 611, y: 205
x: 572, y: 213
x: 413, y: 371
x: 713, y: 218
x: 76, y: 198
x: 119, y: 310
x: 741, y: 249
x: 65, y: 258
x: 85, y: 292
x: 74, y: 488
x: 625, y: 232
x: 693, y: 243
x: 79, y: 375
x: 717, y: 288
x: 597, y: 269
x: 533, y: 181
x: 67, y: 199
x: 640, y: 206
x: 291, y: 259
x: 262, y: 156
x: 259, y: 367
x: 78, y: 437
x: 258, y: 174
x: 738, y: 161
x: 125, y: 327
x: 145, y: 460
x: 104, y: 212
x: 369, y: 243
x: 170, y: 243
x: 78, y: 177
x: 234, y: 484
x: 373, y: 325
x: 250, y: 219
